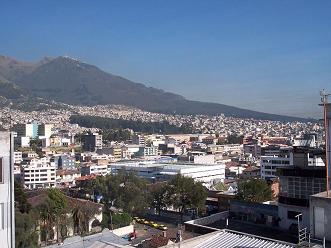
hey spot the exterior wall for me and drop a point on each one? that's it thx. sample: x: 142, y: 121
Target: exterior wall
x: 269, y: 165
x: 7, y: 222
x: 123, y: 230
x: 286, y: 222
x: 39, y: 174
x: 325, y: 204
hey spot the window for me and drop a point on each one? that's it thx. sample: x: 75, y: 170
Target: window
x: 1, y: 171
x: 291, y: 215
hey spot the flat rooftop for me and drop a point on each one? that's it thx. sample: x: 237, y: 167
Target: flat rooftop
x: 323, y: 194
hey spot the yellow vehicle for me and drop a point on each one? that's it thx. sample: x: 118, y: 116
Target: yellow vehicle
x: 153, y: 224
x: 162, y: 227
x: 141, y: 221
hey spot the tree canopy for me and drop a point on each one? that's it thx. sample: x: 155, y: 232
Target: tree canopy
x: 254, y: 190
x: 137, y: 126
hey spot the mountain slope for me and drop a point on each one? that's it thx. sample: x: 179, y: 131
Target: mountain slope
x: 70, y: 81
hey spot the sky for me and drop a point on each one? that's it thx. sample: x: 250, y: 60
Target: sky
x: 270, y: 56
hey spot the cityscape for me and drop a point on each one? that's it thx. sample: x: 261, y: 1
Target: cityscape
x: 93, y: 159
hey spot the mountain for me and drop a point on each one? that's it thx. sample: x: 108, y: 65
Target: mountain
x: 68, y: 80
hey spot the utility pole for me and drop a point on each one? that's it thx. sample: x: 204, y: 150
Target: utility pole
x: 326, y: 105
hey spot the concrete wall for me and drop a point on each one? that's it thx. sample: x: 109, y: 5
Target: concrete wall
x: 324, y: 203
x: 123, y: 230
x: 7, y: 222
x: 285, y: 223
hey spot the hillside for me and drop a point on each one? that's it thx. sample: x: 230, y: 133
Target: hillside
x: 67, y: 80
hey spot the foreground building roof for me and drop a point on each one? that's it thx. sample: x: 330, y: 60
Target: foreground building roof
x: 230, y: 239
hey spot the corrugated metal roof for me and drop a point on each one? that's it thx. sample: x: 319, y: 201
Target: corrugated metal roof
x: 229, y: 239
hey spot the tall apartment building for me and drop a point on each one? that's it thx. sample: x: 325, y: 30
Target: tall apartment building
x: 92, y: 142
x: 276, y: 159
x: 45, y: 130
x: 26, y: 130
x: 138, y: 139
x: 7, y: 222
x: 39, y: 173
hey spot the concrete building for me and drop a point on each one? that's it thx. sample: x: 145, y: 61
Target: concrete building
x: 297, y: 183
x: 138, y: 139
x: 320, y: 214
x: 39, y: 173
x: 67, y: 178
x: 18, y: 157
x: 64, y: 161
x: 45, y: 130
x: 90, y: 168
x: 92, y: 142
x: 26, y: 130
x: 207, y: 174
x: 280, y: 158
x: 147, y: 151
x: 7, y: 222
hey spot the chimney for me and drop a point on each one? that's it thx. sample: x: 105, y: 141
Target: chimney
x: 164, y: 234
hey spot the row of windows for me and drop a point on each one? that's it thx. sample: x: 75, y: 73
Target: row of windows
x: 298, y: 187
x: 276, y: 161
x: 33, y: 170
x: 37, y: 179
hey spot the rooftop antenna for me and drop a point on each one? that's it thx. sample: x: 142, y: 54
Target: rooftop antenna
x: 325, y: 103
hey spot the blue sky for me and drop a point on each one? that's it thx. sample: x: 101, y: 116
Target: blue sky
x: 271, y: 56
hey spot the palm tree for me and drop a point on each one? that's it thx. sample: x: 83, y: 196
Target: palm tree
x: 79, y: 219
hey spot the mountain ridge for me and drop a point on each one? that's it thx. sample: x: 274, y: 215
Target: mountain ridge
x: 71, y: 81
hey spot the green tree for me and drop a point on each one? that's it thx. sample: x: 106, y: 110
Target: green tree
x: 52, y: 212
x: 25, y: 220
x: 186, y: 193
x: 121, y: 219
x: 21, y: 202
x: 26, y: 234
x: 161, y: 198
x: 254, y: 190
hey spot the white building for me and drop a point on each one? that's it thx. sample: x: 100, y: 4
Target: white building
x: 45, y: 130
x: 207, y: 174
x: 93, y: 168
x: 67, y: 178
x: 7, y: 222
x: 270, y: 163
x: 17, y: 157
x: 39, y: 173
x: 147, y: 151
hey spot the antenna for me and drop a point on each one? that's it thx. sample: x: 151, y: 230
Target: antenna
x: 324, y: 99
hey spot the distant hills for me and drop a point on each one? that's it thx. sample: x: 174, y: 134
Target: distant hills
x: 68, y: 80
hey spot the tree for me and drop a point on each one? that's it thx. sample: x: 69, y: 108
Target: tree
x: 185, y: 193
x: 161, y: 198
x: 58, y: 203
x: 254, y: 190
x: 52, y: 213
x: 21, y: 202
x: 26, y: 234
x: 25, y: 220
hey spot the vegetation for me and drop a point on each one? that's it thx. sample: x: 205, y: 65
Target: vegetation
x: 254, y: 190
x: 235, y: 139
x: 182, y: 193
x: 116, y: 134
x: 52, y: 213
x: 121, y: 219
x: 137, y: 126
x: 25, y: 220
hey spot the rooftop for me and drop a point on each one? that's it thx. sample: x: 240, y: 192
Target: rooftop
x: 231, y: 239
